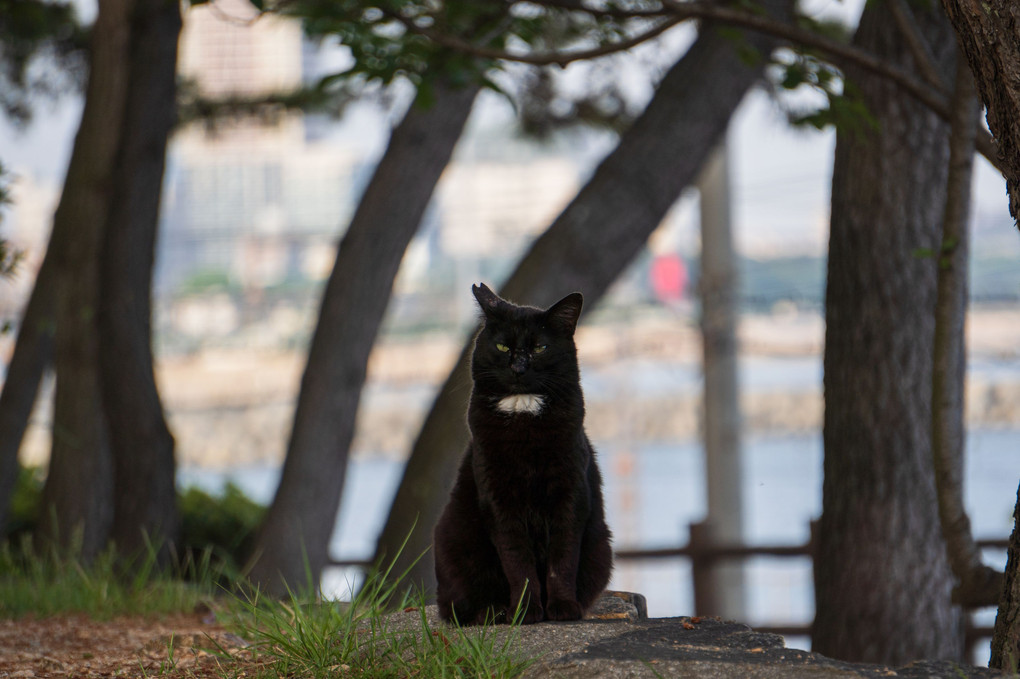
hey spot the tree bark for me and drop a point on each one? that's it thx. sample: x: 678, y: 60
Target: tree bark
x: 145, y: 507
x: 293, y: 542
x: 1006, y: 638
x: 977, y: 584
x: 77, y: 503
x: 882, y: 581
x: 989, y: 34
x: 585, y: 248
x: 33, y: 353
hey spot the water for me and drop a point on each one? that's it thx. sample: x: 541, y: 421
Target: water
x: 652, y: 377
x: 655, y: 491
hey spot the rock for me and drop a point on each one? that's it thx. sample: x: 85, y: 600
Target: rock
x: 617, y: 640
x: 619, y: 606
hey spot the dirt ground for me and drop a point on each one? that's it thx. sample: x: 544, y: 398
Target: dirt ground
x: 76, y: 646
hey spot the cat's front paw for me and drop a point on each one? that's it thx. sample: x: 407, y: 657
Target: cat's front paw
x: 533, y: 614
x: 564, y: 610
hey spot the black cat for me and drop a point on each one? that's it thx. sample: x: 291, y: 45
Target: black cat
x: 525, y: 521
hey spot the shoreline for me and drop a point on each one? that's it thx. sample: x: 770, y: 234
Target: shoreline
x: 234, y: 407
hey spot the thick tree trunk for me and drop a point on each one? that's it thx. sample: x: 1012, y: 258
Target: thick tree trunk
x: 78, y: 494
x: 585, y: 249
x: 143, y: 449
x: 882, y: 581
x: 33, y: 353
x: 293, y: 542
x: 1006, y: 639
x: 989, y: 33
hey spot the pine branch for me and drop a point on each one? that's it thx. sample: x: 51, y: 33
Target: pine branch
x: 545, y: 58
x: 672, y: 12
x: 193, y: 107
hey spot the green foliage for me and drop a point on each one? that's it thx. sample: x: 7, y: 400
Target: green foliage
x: 47, y: 582
x: 215, y: 530
x: 380, y: 45
x: 798, y: 68
x: 5, y: 178
x: 329, y: 96
x: 456, y: 40
x: 544, y: 108
x: 747, y: 52
x: 844, y: 107
x: 9, y: 258
x: 31, y: 29
x: 223, y: 526
x: 210, y: 280
x: 23, y: 514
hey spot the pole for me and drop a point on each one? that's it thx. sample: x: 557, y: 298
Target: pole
x: 722, y: 583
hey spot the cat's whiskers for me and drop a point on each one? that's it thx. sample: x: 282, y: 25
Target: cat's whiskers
x: 557, y: 389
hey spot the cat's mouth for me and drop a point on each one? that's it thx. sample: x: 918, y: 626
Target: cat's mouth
x: 519, y: 386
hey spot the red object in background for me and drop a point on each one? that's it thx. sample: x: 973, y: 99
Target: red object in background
x: 669, y: 278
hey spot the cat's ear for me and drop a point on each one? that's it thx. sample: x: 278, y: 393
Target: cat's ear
x: 564, y: 314
x: 487, y: 299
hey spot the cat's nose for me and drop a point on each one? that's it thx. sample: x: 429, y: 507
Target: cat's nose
x: 519, y: 364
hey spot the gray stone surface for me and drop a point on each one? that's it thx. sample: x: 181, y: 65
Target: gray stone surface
x: 617, y: 641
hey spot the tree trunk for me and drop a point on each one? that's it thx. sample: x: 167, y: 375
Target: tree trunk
x: 989, y: 34
x: 293, y: 542
x: 1006, y: 639
x: 33, y: 353
x: 882, y: 581
x: 977, y: 584
x: 585, y: 249
x: 78, y: 495
x: 143, y: 450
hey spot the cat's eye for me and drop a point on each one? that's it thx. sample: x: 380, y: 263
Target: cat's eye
x: 539, y: 349
x: 502, y: 347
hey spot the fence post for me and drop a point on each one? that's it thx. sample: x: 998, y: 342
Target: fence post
x: 700, y: 544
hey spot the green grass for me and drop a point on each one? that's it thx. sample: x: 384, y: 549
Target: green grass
x: 382, y: 633
x: 362, y: 638
x: 49, y: 582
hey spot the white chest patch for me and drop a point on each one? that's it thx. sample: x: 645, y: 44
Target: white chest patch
x: 521, y: 403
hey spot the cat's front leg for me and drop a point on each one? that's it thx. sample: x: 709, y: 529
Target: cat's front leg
x: 518, y: 562
x: 561, y: 573
x: 561, y: 584
x: 529, y: 601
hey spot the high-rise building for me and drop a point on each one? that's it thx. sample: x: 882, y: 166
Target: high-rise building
x: 252, y: 199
